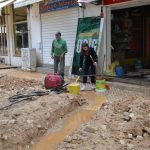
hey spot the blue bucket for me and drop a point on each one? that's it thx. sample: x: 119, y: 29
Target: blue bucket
x: 119, y: 71
x: 138, y: 64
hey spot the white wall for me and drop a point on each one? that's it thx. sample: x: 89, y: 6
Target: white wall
x: 64, y: 21
x: 36, y: 31
x: 92, y: 10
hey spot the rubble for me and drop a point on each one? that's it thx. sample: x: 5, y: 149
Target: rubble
x: 140, y: 138
x: 122, y: 142
x: 131, y: 115
x: 91, y: 129
x: 122, y: 123
x: 22, y: 124
x: 147, y: 129
x: 103, y: 127
x: 130, y: 136
x: 130, y: 146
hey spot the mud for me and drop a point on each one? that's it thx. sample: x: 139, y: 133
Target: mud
x: 123, y: 123
x: 73, y: 122
x: 24, y: 123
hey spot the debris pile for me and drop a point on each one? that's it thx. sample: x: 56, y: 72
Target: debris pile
x: 12, y: 84
x: 123, y: 123
x: 22, y: 124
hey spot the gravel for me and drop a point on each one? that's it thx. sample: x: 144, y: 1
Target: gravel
x: 123, y: 123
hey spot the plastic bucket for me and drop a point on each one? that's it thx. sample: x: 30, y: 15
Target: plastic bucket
x: 74, y: 88
x: 100, y: 85
x: 119, y: 71
x: 138, y: 64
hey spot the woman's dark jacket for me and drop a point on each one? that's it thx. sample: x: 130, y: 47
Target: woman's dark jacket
x: 86, y: 60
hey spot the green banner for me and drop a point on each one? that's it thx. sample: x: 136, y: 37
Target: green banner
x: 87, y: 31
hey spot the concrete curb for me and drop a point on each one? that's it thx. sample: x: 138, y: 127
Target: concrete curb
x: 131, y: 87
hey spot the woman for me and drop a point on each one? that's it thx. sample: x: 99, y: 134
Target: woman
x: 88, y: 62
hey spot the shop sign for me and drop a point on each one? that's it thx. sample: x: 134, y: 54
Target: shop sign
x: 110, y: 2
x: 47, y: 6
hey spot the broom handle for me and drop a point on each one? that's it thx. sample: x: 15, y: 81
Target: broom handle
x: 103, y: 65
x: 92, y: 59
x: 77, y: 79
x: 90, y: 75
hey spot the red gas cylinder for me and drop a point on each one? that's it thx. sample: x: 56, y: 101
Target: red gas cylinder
x: 52, y: 81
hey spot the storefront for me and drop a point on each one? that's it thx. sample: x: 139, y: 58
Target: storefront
x: 6, y: 31
x: 14, y: 30
x: 128, y: 35
x: 35, y: 24
x: 20, y: 30
x: 58, y: 16
x: 63, y: 18
x: 13, y: 34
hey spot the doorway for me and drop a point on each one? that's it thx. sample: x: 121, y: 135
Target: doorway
x: 130, y: 36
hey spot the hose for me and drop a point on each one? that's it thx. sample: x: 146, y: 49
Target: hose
x: 19, y: 96
x: 24, y: 97
x: 30, y: 96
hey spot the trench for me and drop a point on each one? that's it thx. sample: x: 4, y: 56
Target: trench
x: 73, y: 122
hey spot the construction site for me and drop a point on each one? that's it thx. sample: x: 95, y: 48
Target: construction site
x: 33, y: 118
x: 74, y: 75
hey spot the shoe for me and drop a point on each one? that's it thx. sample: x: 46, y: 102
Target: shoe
x: 93, y: 87
x: 83, y: 88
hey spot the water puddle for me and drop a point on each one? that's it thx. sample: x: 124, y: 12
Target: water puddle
x: 73, y: 122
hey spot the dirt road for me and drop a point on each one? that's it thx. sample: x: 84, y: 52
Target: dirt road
x: 123, y: 123
x: 24, y: 123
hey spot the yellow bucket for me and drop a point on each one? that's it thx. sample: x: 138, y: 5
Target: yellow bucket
x: 74, y: 88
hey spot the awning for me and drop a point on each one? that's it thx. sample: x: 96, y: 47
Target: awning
x: 4, y: 3
x: 110, y: 2
x: 86, y: 1
x: 96, y: 2
x: 22, y: 3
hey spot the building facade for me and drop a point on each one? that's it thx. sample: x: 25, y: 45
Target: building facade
x: 41, y: 25
x: 127, y: 30
x: 35, y: 26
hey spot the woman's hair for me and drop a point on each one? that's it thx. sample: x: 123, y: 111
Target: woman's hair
x: 82, y: 50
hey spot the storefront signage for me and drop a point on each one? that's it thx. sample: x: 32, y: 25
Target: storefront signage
x: 55, y: 5
x: 87, y: 32
x: 109, y: 2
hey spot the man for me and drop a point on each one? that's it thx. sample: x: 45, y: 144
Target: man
x: 59, y: 49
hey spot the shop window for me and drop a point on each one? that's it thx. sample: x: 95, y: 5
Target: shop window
x: 127, y: 35
x: 130, y: 39
x: 3, y: 36
x: 20, y: 29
